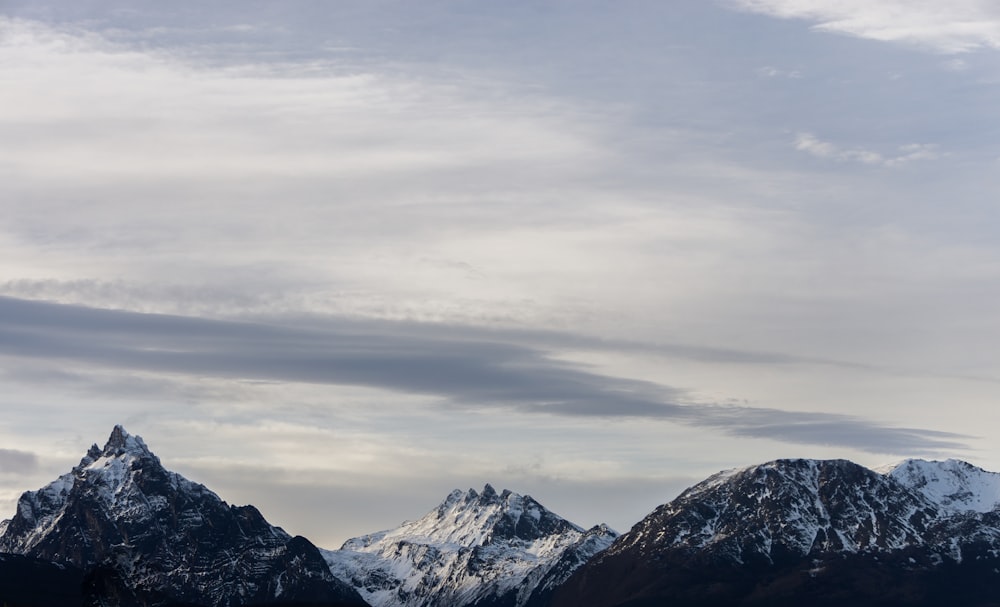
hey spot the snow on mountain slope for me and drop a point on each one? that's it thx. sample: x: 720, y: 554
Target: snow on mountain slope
x: 788, y: 508
x: 791, y: 532
x: 474, y: 548
x: 952, y: 485
x: 120, y: 510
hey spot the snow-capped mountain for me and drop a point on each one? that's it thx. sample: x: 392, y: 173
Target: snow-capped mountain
x: 127, y: 532
x: 807, y: 531
x: 789, y: 507
x: 146, y: 532
x: 478, y: 549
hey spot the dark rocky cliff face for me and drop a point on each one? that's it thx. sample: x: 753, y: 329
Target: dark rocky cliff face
x: 153, y: 534
x: 796, y: 532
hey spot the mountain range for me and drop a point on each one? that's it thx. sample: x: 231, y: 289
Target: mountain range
x: 121, y: 530
x: 793, y: 532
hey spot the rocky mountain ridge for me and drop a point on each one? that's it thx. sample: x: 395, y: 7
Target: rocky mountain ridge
x: 785, y: 530
x: 160, y: 538
x: 479, y: 549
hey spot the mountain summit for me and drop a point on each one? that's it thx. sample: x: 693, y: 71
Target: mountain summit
x: 121, y: 442
x: 150, y: 536
x: 793, y: 532
x: 475, y: 548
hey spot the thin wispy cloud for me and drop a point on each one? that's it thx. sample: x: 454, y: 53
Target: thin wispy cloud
x: 812, y: 145
x: 947, y: 27
x: 304, y: 123
x: 769, y: 71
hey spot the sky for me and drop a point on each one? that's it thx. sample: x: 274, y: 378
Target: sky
x: 337, y: 259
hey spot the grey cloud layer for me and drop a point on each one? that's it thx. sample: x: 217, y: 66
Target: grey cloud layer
x: 13, y: 461
x: 464, y: 370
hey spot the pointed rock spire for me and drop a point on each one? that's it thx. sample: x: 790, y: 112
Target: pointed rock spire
x: 121, y: 442
x: 92, y: 454
x: 119, y: 438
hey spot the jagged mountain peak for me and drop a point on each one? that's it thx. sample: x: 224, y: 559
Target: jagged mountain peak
x: 475, y: 548
x: 488, y: 495
x: 472, y: 518
x: 121, y: 441
x: 155, y: 531
x: 125, y: 471
x: 483, y: 518
x: 120, y: 445
x: 119, y: 476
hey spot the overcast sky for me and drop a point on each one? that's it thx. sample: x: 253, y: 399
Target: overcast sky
x: 336, y: 259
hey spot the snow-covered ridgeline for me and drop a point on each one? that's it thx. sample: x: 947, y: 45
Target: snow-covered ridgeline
x: 952, y: 485
x: 792, y: 508
x: 472, y: 549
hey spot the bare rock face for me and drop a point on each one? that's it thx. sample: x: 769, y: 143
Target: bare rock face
x: 809, y: 532
x: 154, y: 537
x: 483, y: 549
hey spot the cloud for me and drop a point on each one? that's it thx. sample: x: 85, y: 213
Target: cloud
x: 115, y: 124
x: 464, y: 371
x: 769, y: 71
x: 13, y: 461
x: 810, y: 144
x: 947, y: 27
x: 217, y: 300
x: 375, y: 183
